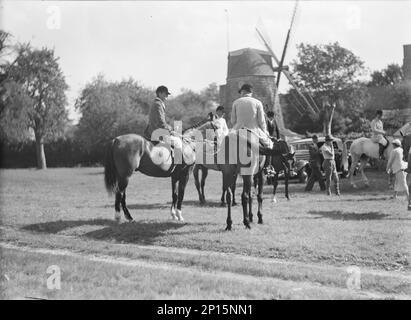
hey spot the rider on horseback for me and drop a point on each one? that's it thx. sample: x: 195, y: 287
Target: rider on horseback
x: 248, y: 112
x: 378, y: 133
x: 158, y: 130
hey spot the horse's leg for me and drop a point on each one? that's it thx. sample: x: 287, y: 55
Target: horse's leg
x: 122, y: 185
x: 174, y: 198
x: 275, y: 184
x: 245, y: 197
x: 223, y: 195
x: 197, y: 182
x: 352, y: 169
x: 233, y: 186
x: 117, y: 203
x: 203, y: 179
x: 286, y: 179
x: 260, y: 197
x: 181, y: 189
x: 227, y: 182
x: 364, y: 177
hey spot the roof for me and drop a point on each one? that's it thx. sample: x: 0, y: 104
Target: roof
x: 249, y: 62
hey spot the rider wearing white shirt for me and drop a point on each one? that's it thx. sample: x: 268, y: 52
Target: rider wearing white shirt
x: 378, y: 132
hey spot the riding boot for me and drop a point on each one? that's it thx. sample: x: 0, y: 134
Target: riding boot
x: 381, y: 151
x: 268, y: 169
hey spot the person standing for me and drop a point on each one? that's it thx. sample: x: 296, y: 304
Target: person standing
x: 315, y: 165
x: 329, y: 166
x: 378, y: 132
x: 396, y: 166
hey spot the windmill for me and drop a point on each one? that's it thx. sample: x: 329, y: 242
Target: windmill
x: 303, y: 99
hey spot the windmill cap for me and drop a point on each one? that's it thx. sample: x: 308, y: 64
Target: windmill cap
x: 246, y: 87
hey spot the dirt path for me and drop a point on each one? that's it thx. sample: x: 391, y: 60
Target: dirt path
x: 299, y: 290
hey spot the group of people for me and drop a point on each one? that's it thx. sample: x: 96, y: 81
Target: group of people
x: 248, y: 112
x: 323, y: 156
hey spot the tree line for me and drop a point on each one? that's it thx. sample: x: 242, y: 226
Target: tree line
x: 34, y: 118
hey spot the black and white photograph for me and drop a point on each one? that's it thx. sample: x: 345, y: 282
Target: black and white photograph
x: 205, y: 155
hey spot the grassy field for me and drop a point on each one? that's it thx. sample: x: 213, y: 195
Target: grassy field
x: 69, y: 209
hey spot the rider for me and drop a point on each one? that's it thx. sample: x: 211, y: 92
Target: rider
x: 248, y: 112
x: 157, y: 128
x: 378, y: 132
x: 272, y: 125
x: 220, y: 112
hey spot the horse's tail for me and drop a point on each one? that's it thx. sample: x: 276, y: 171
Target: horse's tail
x: 110, y: 172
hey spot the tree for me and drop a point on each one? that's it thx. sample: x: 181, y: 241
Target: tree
x: 332, y: 72
x: 391, y: 75
x: 36, y: 98
x: 110, y: 109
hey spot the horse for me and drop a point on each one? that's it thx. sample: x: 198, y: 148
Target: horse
x: 231, y: 161
x: 361, y: 150
x: 201, y: 183
x: 131, y: 152
x: 282, y: 163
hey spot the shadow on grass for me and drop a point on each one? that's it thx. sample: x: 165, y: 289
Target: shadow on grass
x: 142, y: 206
x: 139, y: 232
x: 207, y: 204
x: 339, y: 215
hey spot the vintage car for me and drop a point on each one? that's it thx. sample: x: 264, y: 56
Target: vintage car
x: 301, y: 168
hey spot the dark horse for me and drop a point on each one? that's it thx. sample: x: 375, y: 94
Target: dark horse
x: 200, y: 183
x: 282, y: 163
x: 132, y: 152
x: 235, y: 145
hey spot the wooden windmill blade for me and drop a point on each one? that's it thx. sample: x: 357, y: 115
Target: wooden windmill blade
x: 285, y: 72
x: 280, y: 66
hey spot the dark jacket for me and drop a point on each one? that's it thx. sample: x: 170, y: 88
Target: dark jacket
x: 156, y: 118
x: 315, y: 154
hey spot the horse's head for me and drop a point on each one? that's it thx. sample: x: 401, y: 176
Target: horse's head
x: 207, y: 128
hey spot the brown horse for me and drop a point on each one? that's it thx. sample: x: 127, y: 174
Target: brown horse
x: 131, y: 152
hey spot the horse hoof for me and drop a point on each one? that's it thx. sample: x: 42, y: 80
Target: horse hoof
x: 228, y: 228
x: 288, y: 199
x: 260, y: 221
x: 117, y: 217
x: 274, y: 200
x: 222, y: 204
x: 132, y: 221
x: 247, y: 226
x: 179, y: 215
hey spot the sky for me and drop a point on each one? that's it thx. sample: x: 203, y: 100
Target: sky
x: 184, y: 44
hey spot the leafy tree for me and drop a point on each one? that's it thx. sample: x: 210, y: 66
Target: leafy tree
x: 110, y: 109
x: 331, y: 71
x: 391, y: 75
x: 36, y: 99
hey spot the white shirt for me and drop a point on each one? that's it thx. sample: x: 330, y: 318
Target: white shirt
x: 327, y: 151
x: 377, y: 127
x: 222, y: 127
x: 395, y: 162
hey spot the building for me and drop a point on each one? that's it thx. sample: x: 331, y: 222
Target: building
x: 255, y: 67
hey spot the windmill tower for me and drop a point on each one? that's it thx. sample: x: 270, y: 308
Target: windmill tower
x: 254, y: 67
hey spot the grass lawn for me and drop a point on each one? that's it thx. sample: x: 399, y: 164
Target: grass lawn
x: 69, y: 208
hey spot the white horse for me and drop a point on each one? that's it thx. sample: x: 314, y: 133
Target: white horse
x: 361, y: 149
